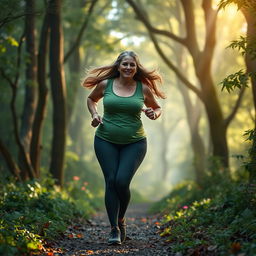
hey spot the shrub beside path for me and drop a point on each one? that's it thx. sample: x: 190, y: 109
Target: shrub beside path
x: 91, y: 238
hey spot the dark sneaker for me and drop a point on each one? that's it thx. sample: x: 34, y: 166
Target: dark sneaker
x: 122, y: 227
x: 114, y: 236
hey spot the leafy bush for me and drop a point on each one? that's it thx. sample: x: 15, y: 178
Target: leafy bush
x: 30, y: 214
x: 81, y: 195
x: 217, y: 220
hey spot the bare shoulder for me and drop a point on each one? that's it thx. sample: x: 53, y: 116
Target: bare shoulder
x: 98, y: 91
x: 102, y: 84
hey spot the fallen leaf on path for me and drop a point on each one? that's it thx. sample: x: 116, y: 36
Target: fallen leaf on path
x: 71, y: 235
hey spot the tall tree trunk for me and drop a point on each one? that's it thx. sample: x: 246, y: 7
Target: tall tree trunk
x: 251, y: 67
x: 58, y: 88
x: 35, y: 149
x: 75, y: 71
x: 30, y: 91
x: 216, y: 121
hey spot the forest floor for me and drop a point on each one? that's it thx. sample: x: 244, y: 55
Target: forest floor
x: 91, y: 238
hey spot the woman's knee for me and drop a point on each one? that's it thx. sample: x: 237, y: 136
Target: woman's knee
x: 122, y: 184
x: 110, y: 183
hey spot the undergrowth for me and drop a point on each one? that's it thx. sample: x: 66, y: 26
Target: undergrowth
x: 218, y: 219
x: 32, y: 214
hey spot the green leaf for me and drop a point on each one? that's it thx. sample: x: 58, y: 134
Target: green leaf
x: 236, y: 80
x: 12, y: 41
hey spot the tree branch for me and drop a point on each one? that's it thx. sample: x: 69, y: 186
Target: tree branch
x: 9, y: 18
x: 12, y: 166
x: 81, y: 32
x: 174, y: 68
x: 235, y: 108
x: 143, y: 17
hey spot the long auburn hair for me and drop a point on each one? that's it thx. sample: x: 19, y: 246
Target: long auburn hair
x: 148, y: 78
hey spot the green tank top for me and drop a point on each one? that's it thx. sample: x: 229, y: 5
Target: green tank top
x: 122, y: 116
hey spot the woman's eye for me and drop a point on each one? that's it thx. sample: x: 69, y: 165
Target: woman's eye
x: 126, y: 64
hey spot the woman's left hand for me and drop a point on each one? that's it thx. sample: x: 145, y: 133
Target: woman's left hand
x: 150, y: 113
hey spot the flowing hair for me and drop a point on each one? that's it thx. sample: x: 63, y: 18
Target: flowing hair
x: 149, y: 78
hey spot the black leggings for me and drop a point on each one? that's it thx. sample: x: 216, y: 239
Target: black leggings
x: 119, y: 163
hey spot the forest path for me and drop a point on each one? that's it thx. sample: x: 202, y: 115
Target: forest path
x: 91, y: 239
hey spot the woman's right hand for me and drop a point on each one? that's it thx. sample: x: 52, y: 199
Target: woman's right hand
x: 96, y: 120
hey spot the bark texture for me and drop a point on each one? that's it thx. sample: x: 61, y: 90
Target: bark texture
x: 58, y: 89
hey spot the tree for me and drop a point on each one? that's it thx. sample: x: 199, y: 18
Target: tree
x: 202, y: 60
x: 35, y: 147
x: 31, y: 85
x: 58, y: 89
x: 240, y: 79
x: 250, y: 60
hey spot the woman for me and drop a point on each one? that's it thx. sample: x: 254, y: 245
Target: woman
x: 120, y: 141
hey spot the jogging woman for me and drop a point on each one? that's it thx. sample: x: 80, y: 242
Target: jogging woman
x: 120, y: 141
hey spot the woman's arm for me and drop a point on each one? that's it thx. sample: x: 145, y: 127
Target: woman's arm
x: 153, y: 110
x: 92, y: 100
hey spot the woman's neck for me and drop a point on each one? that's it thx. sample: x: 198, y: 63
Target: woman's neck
x: 125, y: 81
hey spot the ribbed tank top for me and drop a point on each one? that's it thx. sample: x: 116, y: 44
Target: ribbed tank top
x: 122, y: 116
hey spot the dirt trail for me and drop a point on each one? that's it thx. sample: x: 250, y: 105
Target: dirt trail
x: 91, y: 238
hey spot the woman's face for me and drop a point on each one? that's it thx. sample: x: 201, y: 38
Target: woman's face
x: 127, y: 67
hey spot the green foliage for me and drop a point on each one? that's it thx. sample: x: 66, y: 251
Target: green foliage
x: 30, y: 214
x: 83, y: 183
x: 218, y: 220
x: 81, y: 195
x: 245, y: 45
x: 236, y: 80
x: 250, y: 164
x: 250, y: 134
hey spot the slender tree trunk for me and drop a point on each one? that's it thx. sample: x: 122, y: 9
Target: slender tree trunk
x: 75, y: 71
x: 251, y: 67
x: 30, y: 91
x: 35, y: 149
x: 193, y: 119
x: 164, y: 132
x: 58, y: 88
x: 11, y: 164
